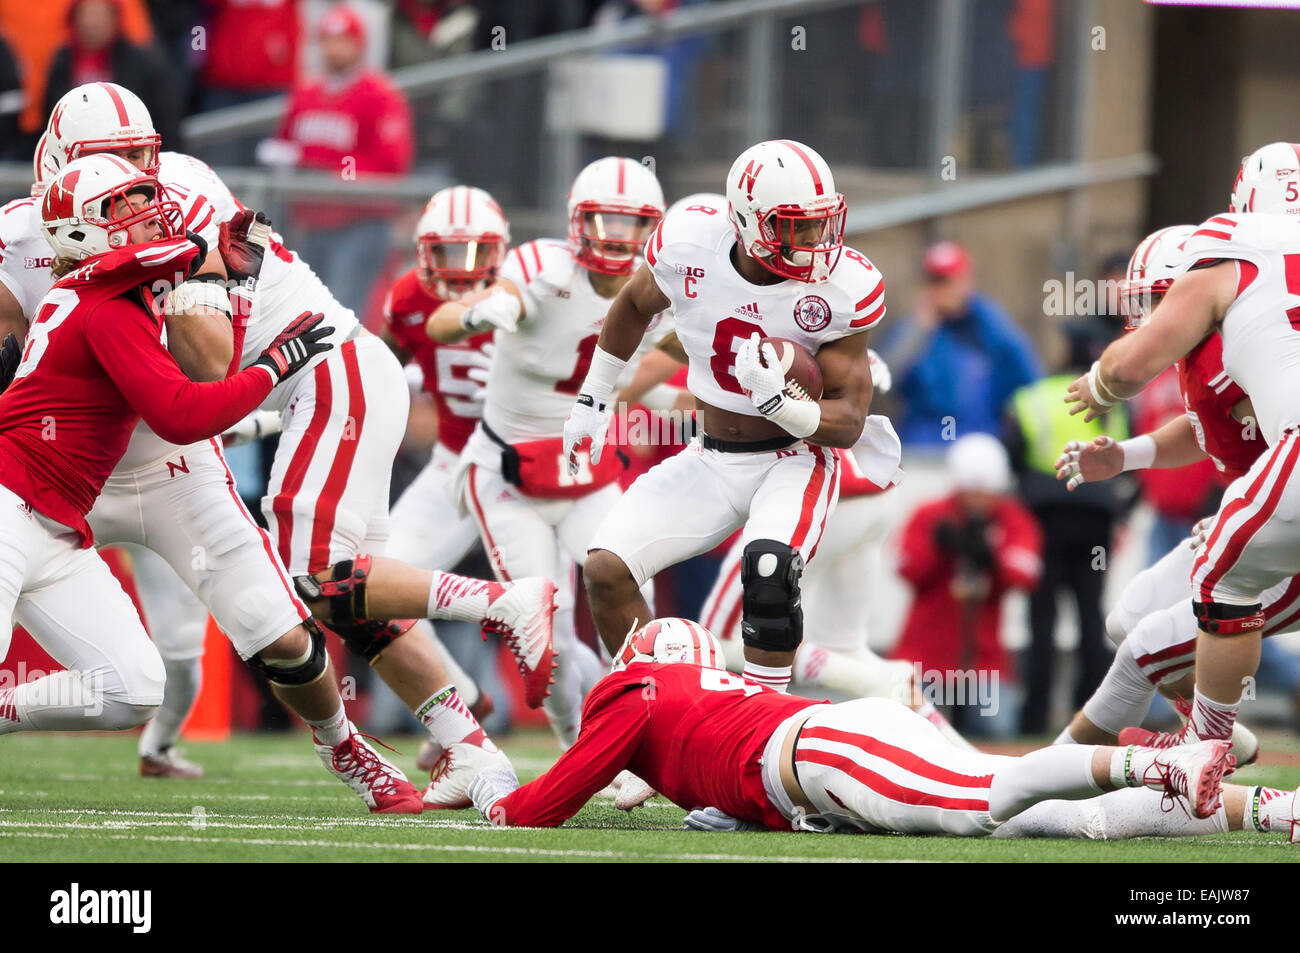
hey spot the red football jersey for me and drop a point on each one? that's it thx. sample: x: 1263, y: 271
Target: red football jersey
x: 445, y: 366
x: 93, y: 365
x: 1210, y: 394
x: 694, y: 734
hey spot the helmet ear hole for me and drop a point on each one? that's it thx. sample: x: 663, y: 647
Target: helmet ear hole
x: 77, y: 236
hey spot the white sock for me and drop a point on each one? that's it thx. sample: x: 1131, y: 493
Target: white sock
x: 1211, y: 719
x: 460, y: 597
x: 1129, y: 767
x: 1063, y: 772
x: 184, y: 676
x: 332, y: 731
x: 1064, y: 738
x: 1123, y: 697
x: 1268, y: 810
x: 448, y: 720
x: 773, y: 676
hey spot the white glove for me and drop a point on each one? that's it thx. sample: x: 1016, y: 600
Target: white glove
x: 713, y: 820
x: 758, y: 371
x: 259, y: 424
x: 491, y: 785
x: 500, y: 310
x: 480, y: 366
x: 586, y: 419
x: 881, y: 380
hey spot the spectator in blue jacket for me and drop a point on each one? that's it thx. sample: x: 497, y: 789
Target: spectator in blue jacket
x: 958, y: 358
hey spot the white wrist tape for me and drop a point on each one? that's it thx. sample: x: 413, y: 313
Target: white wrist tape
x: 800, y: 418
x: 602, y: 378
x: 660, y: 397
x: 188, y: 295
x: 1095, y: 386
x: 1139, y: 452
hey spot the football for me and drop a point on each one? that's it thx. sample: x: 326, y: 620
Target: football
x: 801, y: 369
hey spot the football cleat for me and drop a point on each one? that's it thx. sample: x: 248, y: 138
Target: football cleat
x: 168, y: 764
x: 430, y: 752
x: 381, y: 784
x: 450, y: 779
x: 1245, y: 744
x: 522, y: 616
x: 1194, y: 772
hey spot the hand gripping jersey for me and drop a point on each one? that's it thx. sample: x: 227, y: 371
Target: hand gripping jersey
x: 696, y: 735
x: 716, y: 309
x: 538, y: 370
x: 1261, y: 330
x: 1209, y: 395
x: 93, y: 364
x: 286, y: 287
x: 406, y: 309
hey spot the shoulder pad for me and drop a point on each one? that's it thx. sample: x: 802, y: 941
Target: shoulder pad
x: 698, y: 226
x: 858, y: 291
x: 545, y: 260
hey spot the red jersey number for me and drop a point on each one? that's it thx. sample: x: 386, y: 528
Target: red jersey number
x: 726, y: 339
x: 586, y: 348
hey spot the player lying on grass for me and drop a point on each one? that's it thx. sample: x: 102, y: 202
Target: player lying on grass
x: 702, y: 736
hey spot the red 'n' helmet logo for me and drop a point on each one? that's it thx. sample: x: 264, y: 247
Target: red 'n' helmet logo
x: 747, y: 177
x: 58, y: 198
x: 56, y: 119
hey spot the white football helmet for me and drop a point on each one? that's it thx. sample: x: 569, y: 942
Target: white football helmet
x: 460, y: 241
x: 97, y: 117
x: 614, y: 205
x: 1269, y: 180
x: 668, y: 641
x: 713, y: 200
x: 87, y: 211
x: 1156, y: 262
x: 785, y: 209
x: 39, y: 168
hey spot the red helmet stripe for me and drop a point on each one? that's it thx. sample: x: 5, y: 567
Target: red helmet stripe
x: 122, y: 117
x: 812, y: 169
x: 468, y: 194
x: 1295, y: 147
x: 622, y: 175
x: 451, y: 211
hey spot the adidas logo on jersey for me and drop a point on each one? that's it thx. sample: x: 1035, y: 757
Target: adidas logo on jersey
x: 748, y: 310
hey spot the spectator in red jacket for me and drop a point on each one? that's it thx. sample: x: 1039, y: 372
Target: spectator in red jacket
x: 351, y: 123
x: 962, y: 554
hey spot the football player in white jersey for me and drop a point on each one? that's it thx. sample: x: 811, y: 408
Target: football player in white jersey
x: 533, y: 515
x: 771, y: 264
x: 327, y: 502
x: 1242, y: 281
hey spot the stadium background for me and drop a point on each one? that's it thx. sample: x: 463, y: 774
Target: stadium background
x: 1045, y: 137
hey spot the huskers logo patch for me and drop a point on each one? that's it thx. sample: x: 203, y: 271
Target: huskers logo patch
x: 812, y: 313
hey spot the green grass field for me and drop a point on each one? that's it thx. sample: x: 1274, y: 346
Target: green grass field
x: 266, y: 798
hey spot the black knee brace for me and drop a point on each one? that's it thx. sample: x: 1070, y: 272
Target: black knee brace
x: 345, y: 597
x: 769, y: 576
x: 1219, y: 618
x: 303, y: 674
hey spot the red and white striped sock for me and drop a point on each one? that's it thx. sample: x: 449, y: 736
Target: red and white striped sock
x: 1213, y: 720
x: 448, y: 720
x: 773, y: 676
x: 332, y: 731
x: 460, y: 597
x: 1268, y: 810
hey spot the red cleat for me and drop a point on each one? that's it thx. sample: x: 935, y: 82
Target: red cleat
x: 381, y: 784
x: 168, y: 764
x: 1193, y: 771
x: 522, y: 616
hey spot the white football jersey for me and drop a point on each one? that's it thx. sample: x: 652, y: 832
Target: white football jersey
x: 286, y: 287
x: 25, y: 255
x: 538, y: 370
x: 1261, y: 330
x: 715, y: 309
